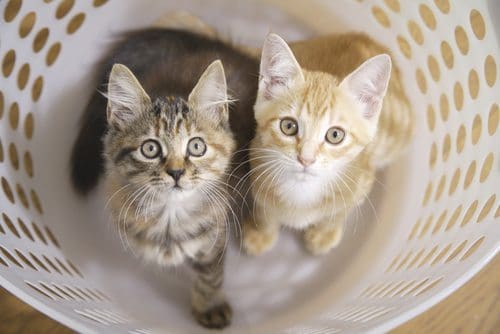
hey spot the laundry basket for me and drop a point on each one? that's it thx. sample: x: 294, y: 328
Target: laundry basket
x: 431, y: 222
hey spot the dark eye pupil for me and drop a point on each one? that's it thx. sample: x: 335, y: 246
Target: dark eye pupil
x: 335, y: 134
x: 196, y: 146
x: 289, y: 126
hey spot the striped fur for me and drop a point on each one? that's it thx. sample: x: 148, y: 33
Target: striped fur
x: 317, y: 198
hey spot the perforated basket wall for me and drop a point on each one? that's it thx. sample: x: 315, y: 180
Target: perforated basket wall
x: 431, y: 223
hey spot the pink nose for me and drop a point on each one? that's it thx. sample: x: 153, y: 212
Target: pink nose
x: 305, y: 161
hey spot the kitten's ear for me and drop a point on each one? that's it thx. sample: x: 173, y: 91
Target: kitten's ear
x: 367, y: 85
x: 278, y: 68
x: 126, y: 97
x: 209, y: 96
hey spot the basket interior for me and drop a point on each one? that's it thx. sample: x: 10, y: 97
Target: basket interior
x: 430, y: 223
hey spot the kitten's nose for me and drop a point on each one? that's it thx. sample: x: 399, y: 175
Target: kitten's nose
x: 305, y: 161
x: 175, y: 173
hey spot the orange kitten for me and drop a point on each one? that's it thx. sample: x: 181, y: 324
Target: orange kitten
x: 323, y: 127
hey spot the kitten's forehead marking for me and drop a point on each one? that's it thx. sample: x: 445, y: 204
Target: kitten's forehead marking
x: 171, y: 114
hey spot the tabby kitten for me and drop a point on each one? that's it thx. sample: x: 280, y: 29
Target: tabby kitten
x: 167, y: 152
x: 323, y: 128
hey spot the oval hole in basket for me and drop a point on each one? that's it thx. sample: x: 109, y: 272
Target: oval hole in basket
x: 473, y: 84
x: 381, y: 17
x: 477, y: 24
x: 440, y: 222
x: 38, y: 233
x: 29, y: 125
x: 455, y: 180
x: 444, y: 107
x: 98, y: 3
x: 490, y: 70
x: 447, y: 54
x: 9, y: 60
x: 75, y: 293
x: 7, y: 190
x: 486, y: 208
x: 454, y: 218
x: 427, y: 194
x: 427, y: 16
x: 13, y: 156
x: 415, y: 32
x: 461, y: 138
x: 469, y: 213
x: 53, y: 53
x: 14, y: 115
x: 493, y: 119
x: 64, y: 8
x: 75, y: 23
x: 11, y: 10
x: 36, y: 201
x: 472, y: 249
x: 462, y: 40
x: 394, y: 261
x: 36, y: 89
x: 10, y: 257
x: 39, y: 262
x: 421, y: 81
x: 23, y: 76
x: 433, y: 155
x: 22, y: 196
x: 476, y: 129
x: 443, y: 6
x: 404, y: 46
x: 10, y: 225
x: 28, y: 164
x: 27, y: 24
x: 469, y: 176
x: 440, y: 188
x: 1, y: 151
x: 35, y: 288
x: 393, y: 5
x: 486, y: 168
x: 87, y: 294
x: 40, y: 39
x: 25, y: 259
x: 2, y: 104
x: 458, y: 95
x: 431, y: 117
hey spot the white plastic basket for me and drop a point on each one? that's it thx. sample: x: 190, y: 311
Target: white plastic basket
x: 431, y: 225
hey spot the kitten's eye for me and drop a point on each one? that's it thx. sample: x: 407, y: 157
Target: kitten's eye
x: 335, y: 135
x: 197, y: 147
x: 151, y: 149
x: 289, y: 126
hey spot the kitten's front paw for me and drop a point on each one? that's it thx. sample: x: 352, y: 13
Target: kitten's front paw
x: 216, y: 317
x: 319, y: 240
x: 257, y: 241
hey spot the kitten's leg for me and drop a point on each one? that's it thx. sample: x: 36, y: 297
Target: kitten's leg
x: 209, y: 305
x: 259, y: 235
x: 320, y: 238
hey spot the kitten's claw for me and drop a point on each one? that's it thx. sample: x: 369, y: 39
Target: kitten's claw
x: 216, y: 317
x: 258, y: 241
x: 319, y: 240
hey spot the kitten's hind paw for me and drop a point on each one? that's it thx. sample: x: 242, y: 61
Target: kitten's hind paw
x: 258, y: 241
x: 216, y: 317
x: 319, y: 240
